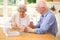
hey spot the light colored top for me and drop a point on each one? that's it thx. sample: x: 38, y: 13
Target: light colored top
x: 47, y: 23
x: 21, y: 21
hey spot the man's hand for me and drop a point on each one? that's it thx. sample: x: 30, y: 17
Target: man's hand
x: 26, y: 29
x: 30, y: 29
x: 31, y: 25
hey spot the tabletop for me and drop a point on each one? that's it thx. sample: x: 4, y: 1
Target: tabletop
x: 27, y: 36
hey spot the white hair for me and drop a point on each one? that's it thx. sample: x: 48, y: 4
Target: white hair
x: 42, y: 3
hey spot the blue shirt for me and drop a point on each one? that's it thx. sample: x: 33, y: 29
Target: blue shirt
x: 47, y: 23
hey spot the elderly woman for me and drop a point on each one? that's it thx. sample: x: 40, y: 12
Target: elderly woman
x: 21, y: 18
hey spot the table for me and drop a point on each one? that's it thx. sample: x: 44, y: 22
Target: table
x: 27, y: 36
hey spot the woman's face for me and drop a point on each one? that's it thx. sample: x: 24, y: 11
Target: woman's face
x: 21, y: 12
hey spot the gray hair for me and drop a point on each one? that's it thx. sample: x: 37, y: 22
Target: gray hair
x: 22, y: 7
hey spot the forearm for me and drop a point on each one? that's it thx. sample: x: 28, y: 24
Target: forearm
x: 32, y: 31
x: 40, y: 30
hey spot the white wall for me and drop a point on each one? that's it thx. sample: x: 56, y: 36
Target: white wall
x: 57, y: 6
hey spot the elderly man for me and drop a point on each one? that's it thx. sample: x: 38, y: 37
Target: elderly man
x: 47, y: 22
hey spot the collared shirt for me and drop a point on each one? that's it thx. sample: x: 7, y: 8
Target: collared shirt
x: 47, y: 23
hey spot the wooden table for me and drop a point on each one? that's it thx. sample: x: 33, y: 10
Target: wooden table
x: 27, y: 36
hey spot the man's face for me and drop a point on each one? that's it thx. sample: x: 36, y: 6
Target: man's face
x: 40, y: 9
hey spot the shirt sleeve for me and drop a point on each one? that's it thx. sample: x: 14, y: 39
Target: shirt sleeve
x: 38, y: 24
x: 12, y: 20
x: 47, y: 22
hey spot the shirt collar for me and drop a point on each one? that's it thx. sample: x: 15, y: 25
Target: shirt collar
x: 45, y: 13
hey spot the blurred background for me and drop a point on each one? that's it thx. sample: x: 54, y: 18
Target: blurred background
x: 9, y: 7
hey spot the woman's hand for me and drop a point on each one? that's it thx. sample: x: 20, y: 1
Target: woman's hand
x: 23, y: 29
x: 14, y: 25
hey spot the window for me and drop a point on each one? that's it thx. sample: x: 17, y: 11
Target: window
x: 31, y: 1
x: 49, y: 0
x: 11, y: 2
x: 1, y: 8
x: 1, y: 2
